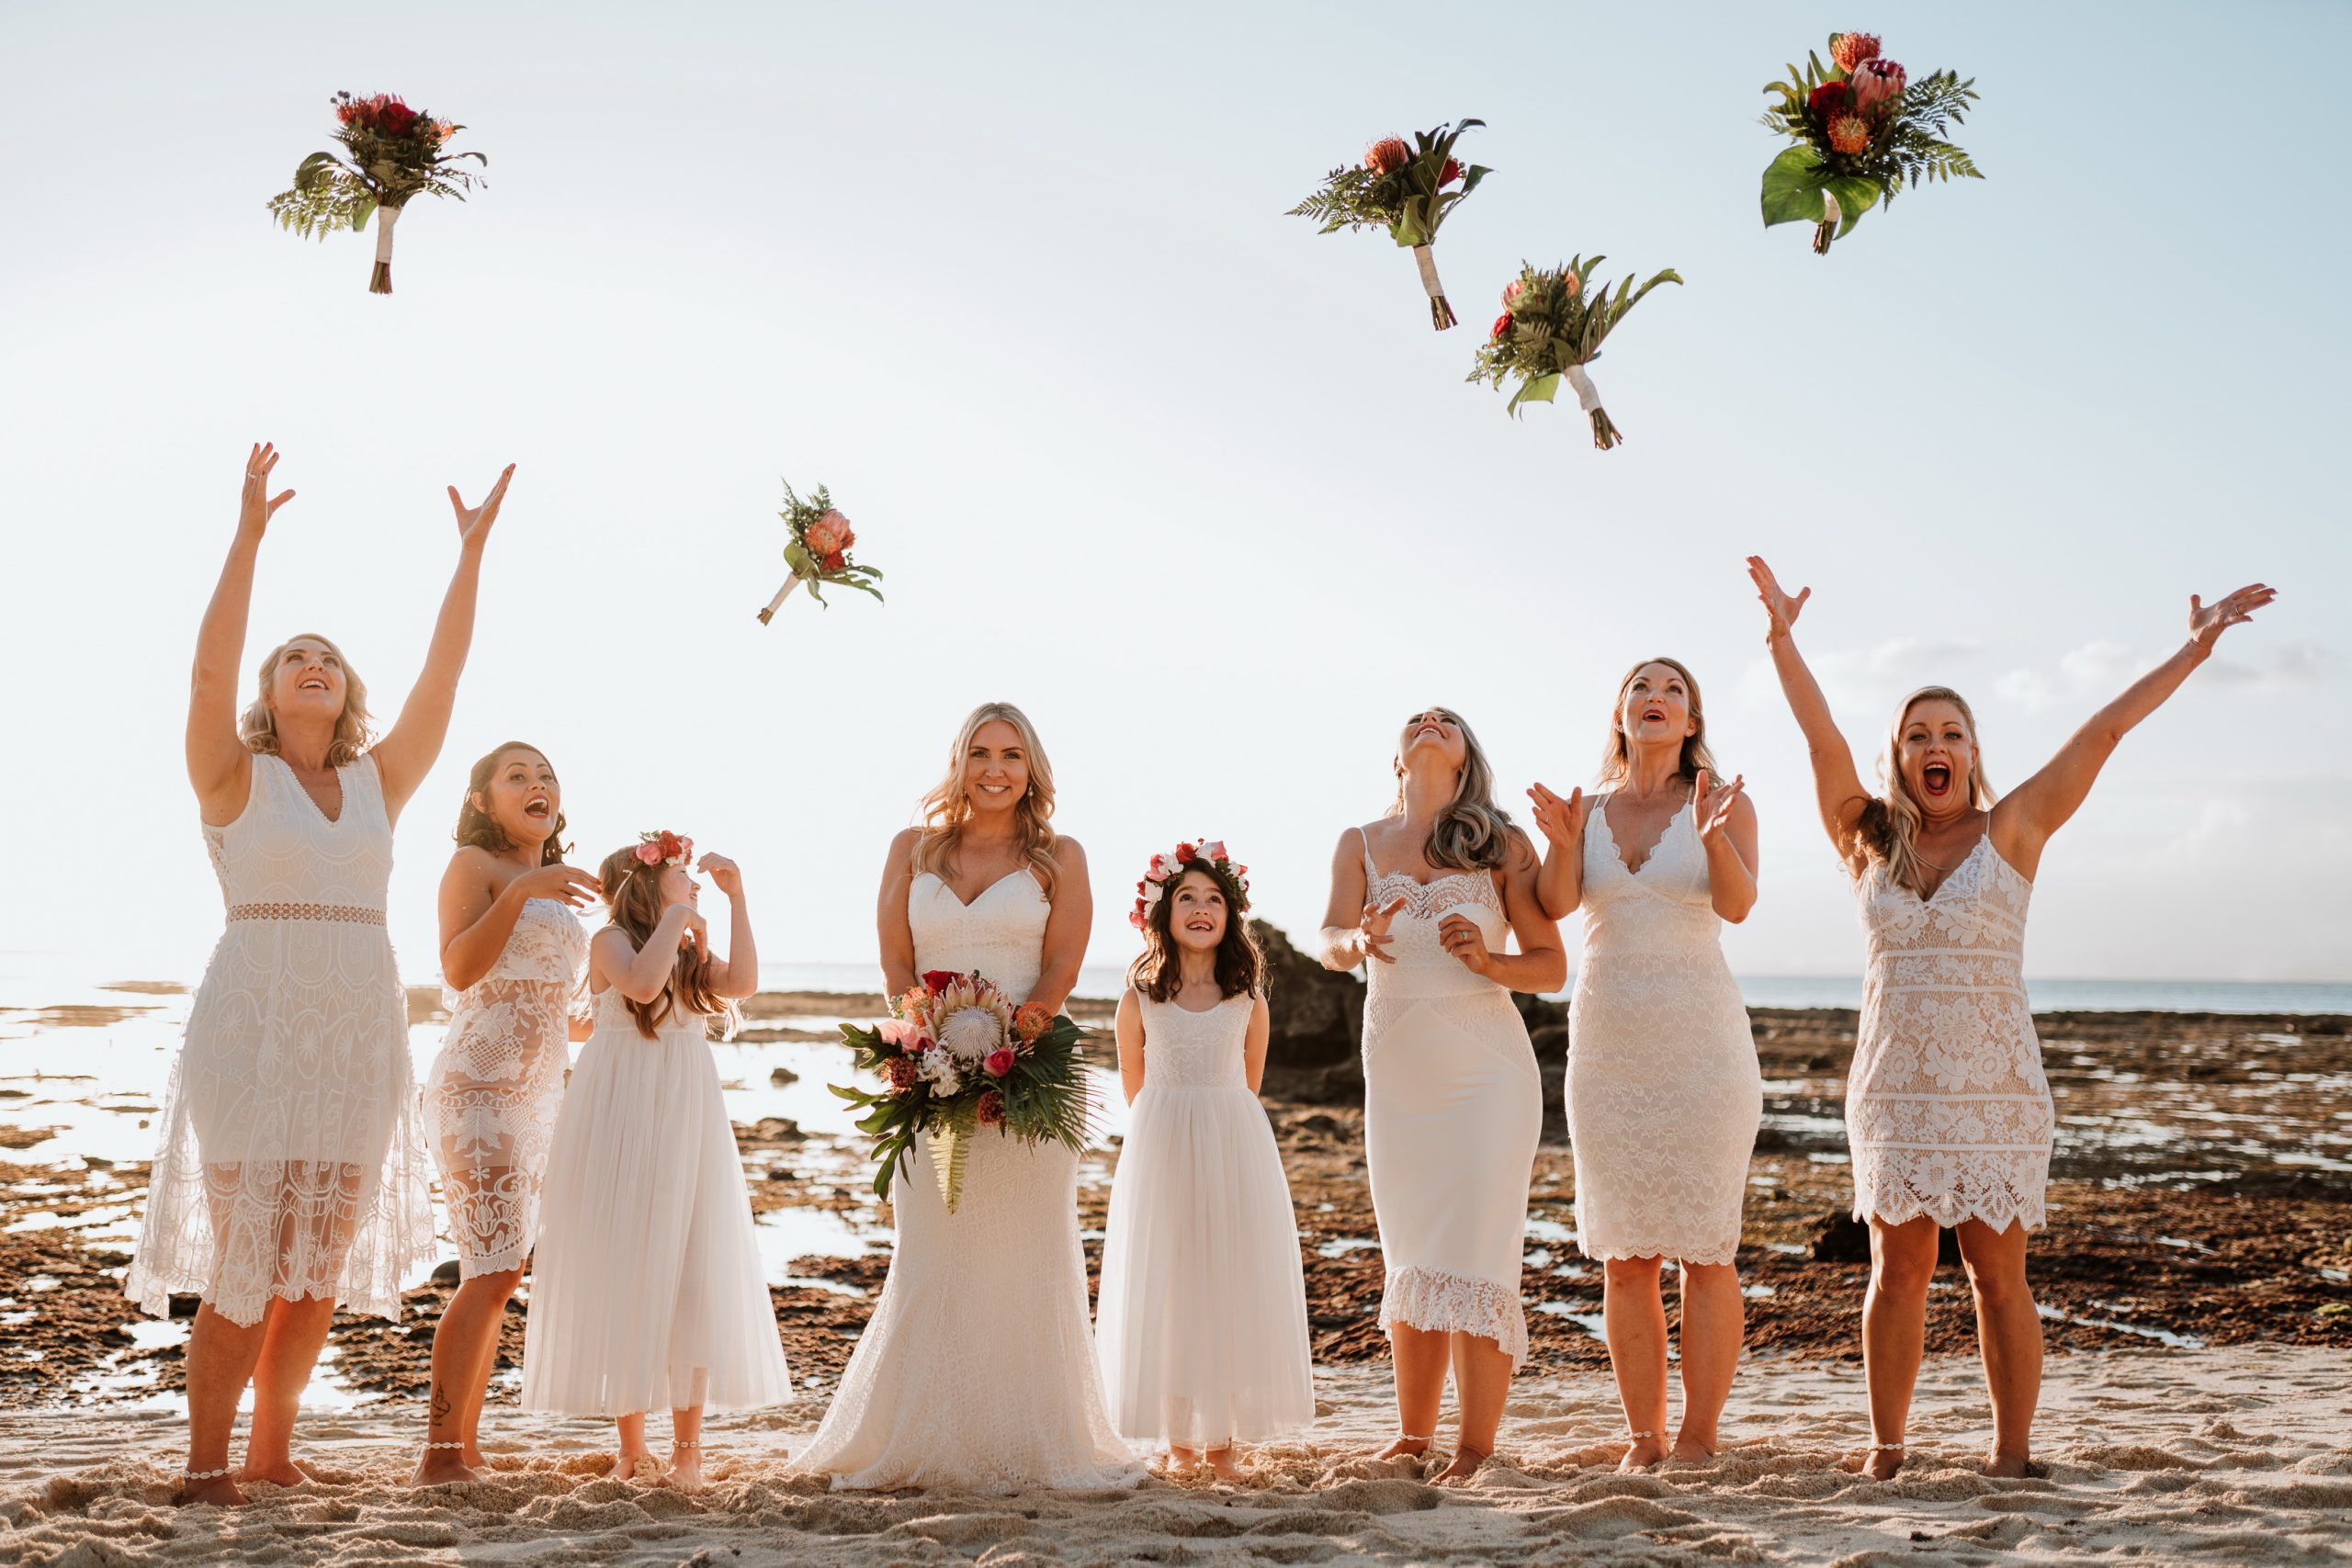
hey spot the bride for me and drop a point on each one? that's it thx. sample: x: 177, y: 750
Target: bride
x: 978, y: 1371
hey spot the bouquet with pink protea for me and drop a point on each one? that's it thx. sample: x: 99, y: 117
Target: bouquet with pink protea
x: 817, y: 551
x: 392, y: 154
x: 1405, y: 190
x: 1551, y: 326
x: 1863, y: 129
x: 955, y: 1056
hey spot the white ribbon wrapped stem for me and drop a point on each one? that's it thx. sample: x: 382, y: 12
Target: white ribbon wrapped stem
x: 385, y: 217
x: 1588, y: 395
x: 1830, y: 211
x: 1428, y: 263
x: 781, y: 595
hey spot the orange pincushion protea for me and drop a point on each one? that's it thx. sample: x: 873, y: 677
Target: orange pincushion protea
x: 1387, y: 156
x: 1849, y: 49
x: 1849, y: 133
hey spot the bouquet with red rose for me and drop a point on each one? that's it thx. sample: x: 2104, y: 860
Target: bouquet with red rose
x: 1863, y: 129
x: 1404, y: 191
x: 817, y: 551
x: 1551, y: 328
x: 392, y: 154
x: 956, y: 1055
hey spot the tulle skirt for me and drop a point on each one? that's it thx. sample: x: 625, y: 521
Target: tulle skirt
x: 1202, y: 1328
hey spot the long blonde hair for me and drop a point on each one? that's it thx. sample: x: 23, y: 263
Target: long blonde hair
x: 258, y: 725
x: 1472, y: 833
x: 949, y: 805
x: 1616, y: 761
x: 1888, y: 830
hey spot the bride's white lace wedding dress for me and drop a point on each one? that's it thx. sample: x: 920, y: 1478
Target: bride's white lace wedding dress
x: 977, y: 1371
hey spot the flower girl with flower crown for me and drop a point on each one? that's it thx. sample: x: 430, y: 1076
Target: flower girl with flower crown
x: 647, y: 1290
x: 1202, y: 1331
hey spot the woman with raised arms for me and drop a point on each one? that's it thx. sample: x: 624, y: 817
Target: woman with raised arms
x: 292, y: 1175
x: 1947, y: 1109
x: 1426, y: 898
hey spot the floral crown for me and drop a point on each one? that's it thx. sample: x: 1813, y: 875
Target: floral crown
x: 665, y: 848
x: 1171, y: 867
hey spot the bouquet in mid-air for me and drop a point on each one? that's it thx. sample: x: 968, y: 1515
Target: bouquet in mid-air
x: 817, y: 551
x: 392, y: 154
x: 955, y: 1056
x: 1407, y: 190
x: 1551, y: 326
x: 1863, y: 129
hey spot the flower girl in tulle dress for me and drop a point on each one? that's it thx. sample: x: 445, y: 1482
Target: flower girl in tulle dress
x: 1201, y: 1330
x: 647, y: 1290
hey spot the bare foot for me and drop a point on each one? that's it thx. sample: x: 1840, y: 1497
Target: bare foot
x: 1643, y: 1453
x: 624, y: 1467
x: 220, y: 1492
x: 2011, y: 1467
x: 686, y: 1471
x: 1692, y: 1450
x: 286, y: 1475
x: 1464, y: 1465
x: 473, y: 1456
x: 440, y: 1467
x: 1879, y: 1464
x: 1404, y: 1448
x: 1227, y: 1467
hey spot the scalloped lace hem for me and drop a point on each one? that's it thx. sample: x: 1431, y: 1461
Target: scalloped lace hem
x: 1950, y: 1212
x: 1673, y: 1250
x: 1454, y: 1303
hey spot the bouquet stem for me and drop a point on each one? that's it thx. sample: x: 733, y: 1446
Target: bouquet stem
x: 381, y: 280
x: 1441, y: 313
x: 777, y: 602
x: 1605, y: 434
x: 1826, y: 230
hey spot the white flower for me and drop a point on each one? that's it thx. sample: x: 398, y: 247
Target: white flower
x: 970, y: 1033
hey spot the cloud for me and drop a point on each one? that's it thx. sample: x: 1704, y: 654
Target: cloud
x: 2099, y: 669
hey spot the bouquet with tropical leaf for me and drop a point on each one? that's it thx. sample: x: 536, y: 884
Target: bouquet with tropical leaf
x: 1863, y: 129
x: 956, y: 1058
x: 392, y: 154
x: 1405, y: 190
x: 1551, y: 326
x: 817, y: 551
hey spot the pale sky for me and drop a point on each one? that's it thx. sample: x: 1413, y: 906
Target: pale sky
x: 1195, y: 485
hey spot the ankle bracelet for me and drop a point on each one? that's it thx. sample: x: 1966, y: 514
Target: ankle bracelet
x: 444, y: 1444
x: 1639, y: 1436
x: 1416, y: 1437
x: 208, y: 1474
x: 675, y: 1445
x: 1883, y: 1447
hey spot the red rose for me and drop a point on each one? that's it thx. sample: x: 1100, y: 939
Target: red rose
x: 1502, y: 325
x: 937, y: 980
x: 1184, y: 853
x: 396, y: 117
x: 997, y: 1063
x: 1828, y: 100
x: 991, y: 1109
x: 1450, y: 173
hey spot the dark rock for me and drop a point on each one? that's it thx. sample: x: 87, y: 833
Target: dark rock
x: 185, y: 1306
x: 448, y: 1273
x: 782, y: 1076
x: 1317, y: 1025
x: 1841, y: 1239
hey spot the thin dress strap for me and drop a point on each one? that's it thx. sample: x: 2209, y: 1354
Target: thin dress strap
x: 1371, y: 871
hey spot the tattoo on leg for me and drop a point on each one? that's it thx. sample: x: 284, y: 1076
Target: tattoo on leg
x: 440, y: 1406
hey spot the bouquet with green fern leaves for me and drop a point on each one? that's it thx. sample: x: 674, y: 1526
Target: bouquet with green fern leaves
x: 1551, y: 326
x: 392, y: 154
x: 1405, y: 190
x: 1863, y: 129
x: 817, y: 551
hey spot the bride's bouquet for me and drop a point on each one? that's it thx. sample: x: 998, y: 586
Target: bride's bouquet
x: 1551, y: 328
x: 1404, y: 191
x: 391, y: 155
x: 1862, y: 129
x: 955, y: 1057
x: 817, y: 551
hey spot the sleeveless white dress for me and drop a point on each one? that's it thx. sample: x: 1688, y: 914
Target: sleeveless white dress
x: 490, y: 1099
x: 1202, y: 1329
x: 1947, y: 1109
x: 977, y: 1371
x: 648, y: 1291
x: 291, y: 1163
x: 1454, y: 1106
x: 1664, y: 1092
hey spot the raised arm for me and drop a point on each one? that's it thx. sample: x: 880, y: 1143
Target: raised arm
x: 1353, y: 931
x: 218, y: 766
x: 641, y: 973
x: 2026, y: 817
x: 737, y: 976
x: 408, y: 751
x: 1836, y: 787
x: 1725, y: 819
x: 892, y: 930
x: 1068, y: 925
x: 1559, y: 886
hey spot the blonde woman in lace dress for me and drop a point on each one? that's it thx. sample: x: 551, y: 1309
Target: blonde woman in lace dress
x: 1947, y: 1109
x: 1427, y: 899
x: 1664, y: 1092
x: 514, y: 954
x: 292, y: 1175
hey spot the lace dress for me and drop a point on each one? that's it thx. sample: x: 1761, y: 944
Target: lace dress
x: 490, y: 1099
x: 291, y: 1163
x: 1664, y: 1092
x: 1202, y: 1326
x: 977, y: 1371
x: 1452, y: 1109
x: 1947, y: 1109
x: 648, y: 1291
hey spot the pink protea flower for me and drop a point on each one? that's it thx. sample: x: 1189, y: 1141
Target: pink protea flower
x: 1387, y: 156
x: 1849, y: 49
x: 1876, y: 81
x: 1511, y: 293
x: 1849, y: 133
x: 830, y: 535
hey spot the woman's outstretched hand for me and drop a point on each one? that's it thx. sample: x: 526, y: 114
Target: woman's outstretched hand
x: 1371, y: 931
x: 2207, y: 622
x: 1561, y: 820
x: 254, y: 508
x: 1710, y: 802
x: 473, y: 523
x: 1783, y: 609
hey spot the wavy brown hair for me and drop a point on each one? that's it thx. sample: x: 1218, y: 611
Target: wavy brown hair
x: 1616, y: 761
x: 949, y: 805
x: 475, y: 824
x: 258, y: 725
x: 1887, y: 832
x: 1240, y: 964
x: 1472, y: 833
x: 633, y: 897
